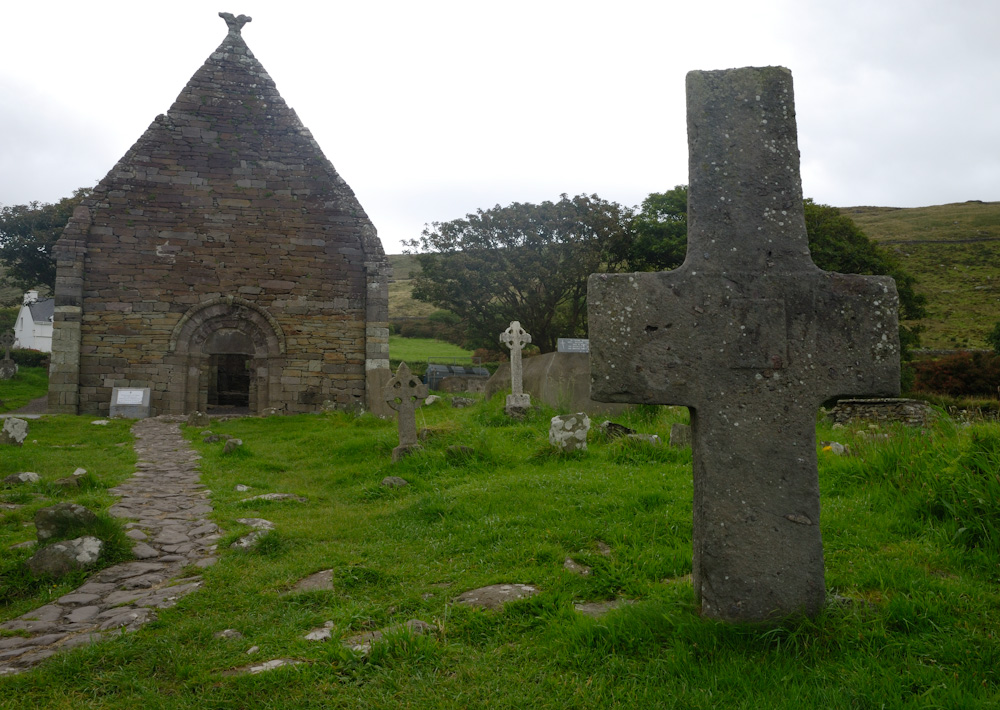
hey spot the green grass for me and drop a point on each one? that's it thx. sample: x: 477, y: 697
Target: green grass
x: 418, y: 350
x: 917, y: 623
x: 29, y: 383
x: 54, y: 449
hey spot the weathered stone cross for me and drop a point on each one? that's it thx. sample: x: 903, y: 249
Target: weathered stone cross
x: 404, y: 393
x: 752, y: 336
x: 515, y: 338
x: 6, y: 341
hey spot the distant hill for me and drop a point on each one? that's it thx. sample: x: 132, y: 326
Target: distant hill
x: 954, y: 252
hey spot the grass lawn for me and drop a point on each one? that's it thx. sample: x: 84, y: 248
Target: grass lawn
x: 29, y: 383
x: 415, y: 351
x: 911, y: 543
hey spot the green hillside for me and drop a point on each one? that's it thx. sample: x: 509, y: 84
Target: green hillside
x: 953, y: 251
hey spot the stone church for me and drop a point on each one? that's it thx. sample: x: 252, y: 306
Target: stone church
x: 222, y: 262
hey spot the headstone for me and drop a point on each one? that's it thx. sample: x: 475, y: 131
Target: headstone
x: 13, y: 432
x: 680, y: 435
x: 8, y: 368
x: 573, y: 345
x: 568, y: 432
x: 129, y: 403
x: 752, y: 337
x: 515, y: 338
x: 404, y: 393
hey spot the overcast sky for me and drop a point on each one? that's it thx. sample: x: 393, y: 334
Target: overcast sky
x: 433, y: 109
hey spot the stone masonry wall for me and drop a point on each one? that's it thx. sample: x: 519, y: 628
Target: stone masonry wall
x: 227, y: 196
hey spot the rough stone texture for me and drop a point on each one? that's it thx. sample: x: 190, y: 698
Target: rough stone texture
x: 404, y: 393
x: 166, y: 503
x: 559, y: 380
x: 322, y: 580
x: 223, y: 231
x: 496, y: 595
x: 394, y: 482
x: 515, y: 338
x: 680, y: 435
x: 568, y: 432
x: 362, y: 643
x: 911, y: 412
x: 13, y: 432
x: 61, y: 558
x: 599, y: 609
x: 17, y: 479
x: 60, y: 519
x: 753, y: 337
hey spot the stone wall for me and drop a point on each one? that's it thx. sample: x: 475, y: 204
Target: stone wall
x: 911, y: 412
x: 224, y: 229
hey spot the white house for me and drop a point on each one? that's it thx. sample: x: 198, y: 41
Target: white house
x: 33, y: 328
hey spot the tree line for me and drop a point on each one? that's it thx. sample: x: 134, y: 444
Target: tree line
x: 531, y: 262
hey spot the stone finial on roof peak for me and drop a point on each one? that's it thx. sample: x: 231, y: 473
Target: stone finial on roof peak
x: 234, y: 22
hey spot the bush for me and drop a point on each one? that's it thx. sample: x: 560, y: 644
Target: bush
x: 30, y: 358
x: 960, y: 375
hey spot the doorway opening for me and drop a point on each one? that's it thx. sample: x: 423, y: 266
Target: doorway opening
x: 231, y: 380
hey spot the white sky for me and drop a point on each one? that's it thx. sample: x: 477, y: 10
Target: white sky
x: 433, y: 109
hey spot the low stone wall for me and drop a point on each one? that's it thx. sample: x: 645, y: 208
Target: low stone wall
x: 911, y: 412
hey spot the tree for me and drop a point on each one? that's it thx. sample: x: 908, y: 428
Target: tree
x: 522, y: 262
x: 835, y: 242
x: 27, y: 235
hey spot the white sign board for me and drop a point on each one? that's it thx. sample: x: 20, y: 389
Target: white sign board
x: 130, y: 396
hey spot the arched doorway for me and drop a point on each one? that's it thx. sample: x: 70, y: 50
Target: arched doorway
x: 232, y: 351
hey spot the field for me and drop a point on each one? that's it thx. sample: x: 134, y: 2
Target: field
x: 910, y: 524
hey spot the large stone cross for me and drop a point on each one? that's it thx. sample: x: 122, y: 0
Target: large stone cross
x: 515, y: 338
x: 752, y: 336
x: 6, y: 341
x: 404, y: 393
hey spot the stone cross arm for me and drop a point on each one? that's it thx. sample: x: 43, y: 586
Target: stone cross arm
x: 682, y: 338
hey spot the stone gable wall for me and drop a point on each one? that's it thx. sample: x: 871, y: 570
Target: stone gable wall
x: 227, y: 196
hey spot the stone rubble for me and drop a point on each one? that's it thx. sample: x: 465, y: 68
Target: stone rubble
x: 171, y: 526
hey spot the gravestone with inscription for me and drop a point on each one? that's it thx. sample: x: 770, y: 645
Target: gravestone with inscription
x: 518, y: 402
x: 752, y: 336
x: 129, y: 403
x: 404, y: 393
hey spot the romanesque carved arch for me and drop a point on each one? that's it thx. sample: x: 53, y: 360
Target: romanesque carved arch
x: 228, y: 312
x: 227, y: 325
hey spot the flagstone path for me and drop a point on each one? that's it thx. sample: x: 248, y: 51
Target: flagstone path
x: 169, y: 509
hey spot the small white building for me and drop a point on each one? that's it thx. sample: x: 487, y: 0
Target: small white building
x: 33, y: 328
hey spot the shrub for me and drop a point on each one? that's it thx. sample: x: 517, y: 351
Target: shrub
x: 30, y: 358
x: 961, y: 375
x: 994, y: 338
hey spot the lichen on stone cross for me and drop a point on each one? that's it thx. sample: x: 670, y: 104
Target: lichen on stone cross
x: 6, y: 341
x: 404, y: 393
x: 753, y: 337
x: 235, y: 23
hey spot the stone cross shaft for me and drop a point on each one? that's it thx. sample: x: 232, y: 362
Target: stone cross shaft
x: 404, y: 393
x: 515, y: 338
x: 6, y: 341
x: 752, y: 336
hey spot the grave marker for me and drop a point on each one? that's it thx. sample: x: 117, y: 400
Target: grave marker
x: 8, y: 368
x: 404, y: 393
x: 752, y: 337
x: 129, y: 403
x: 515, y: 338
